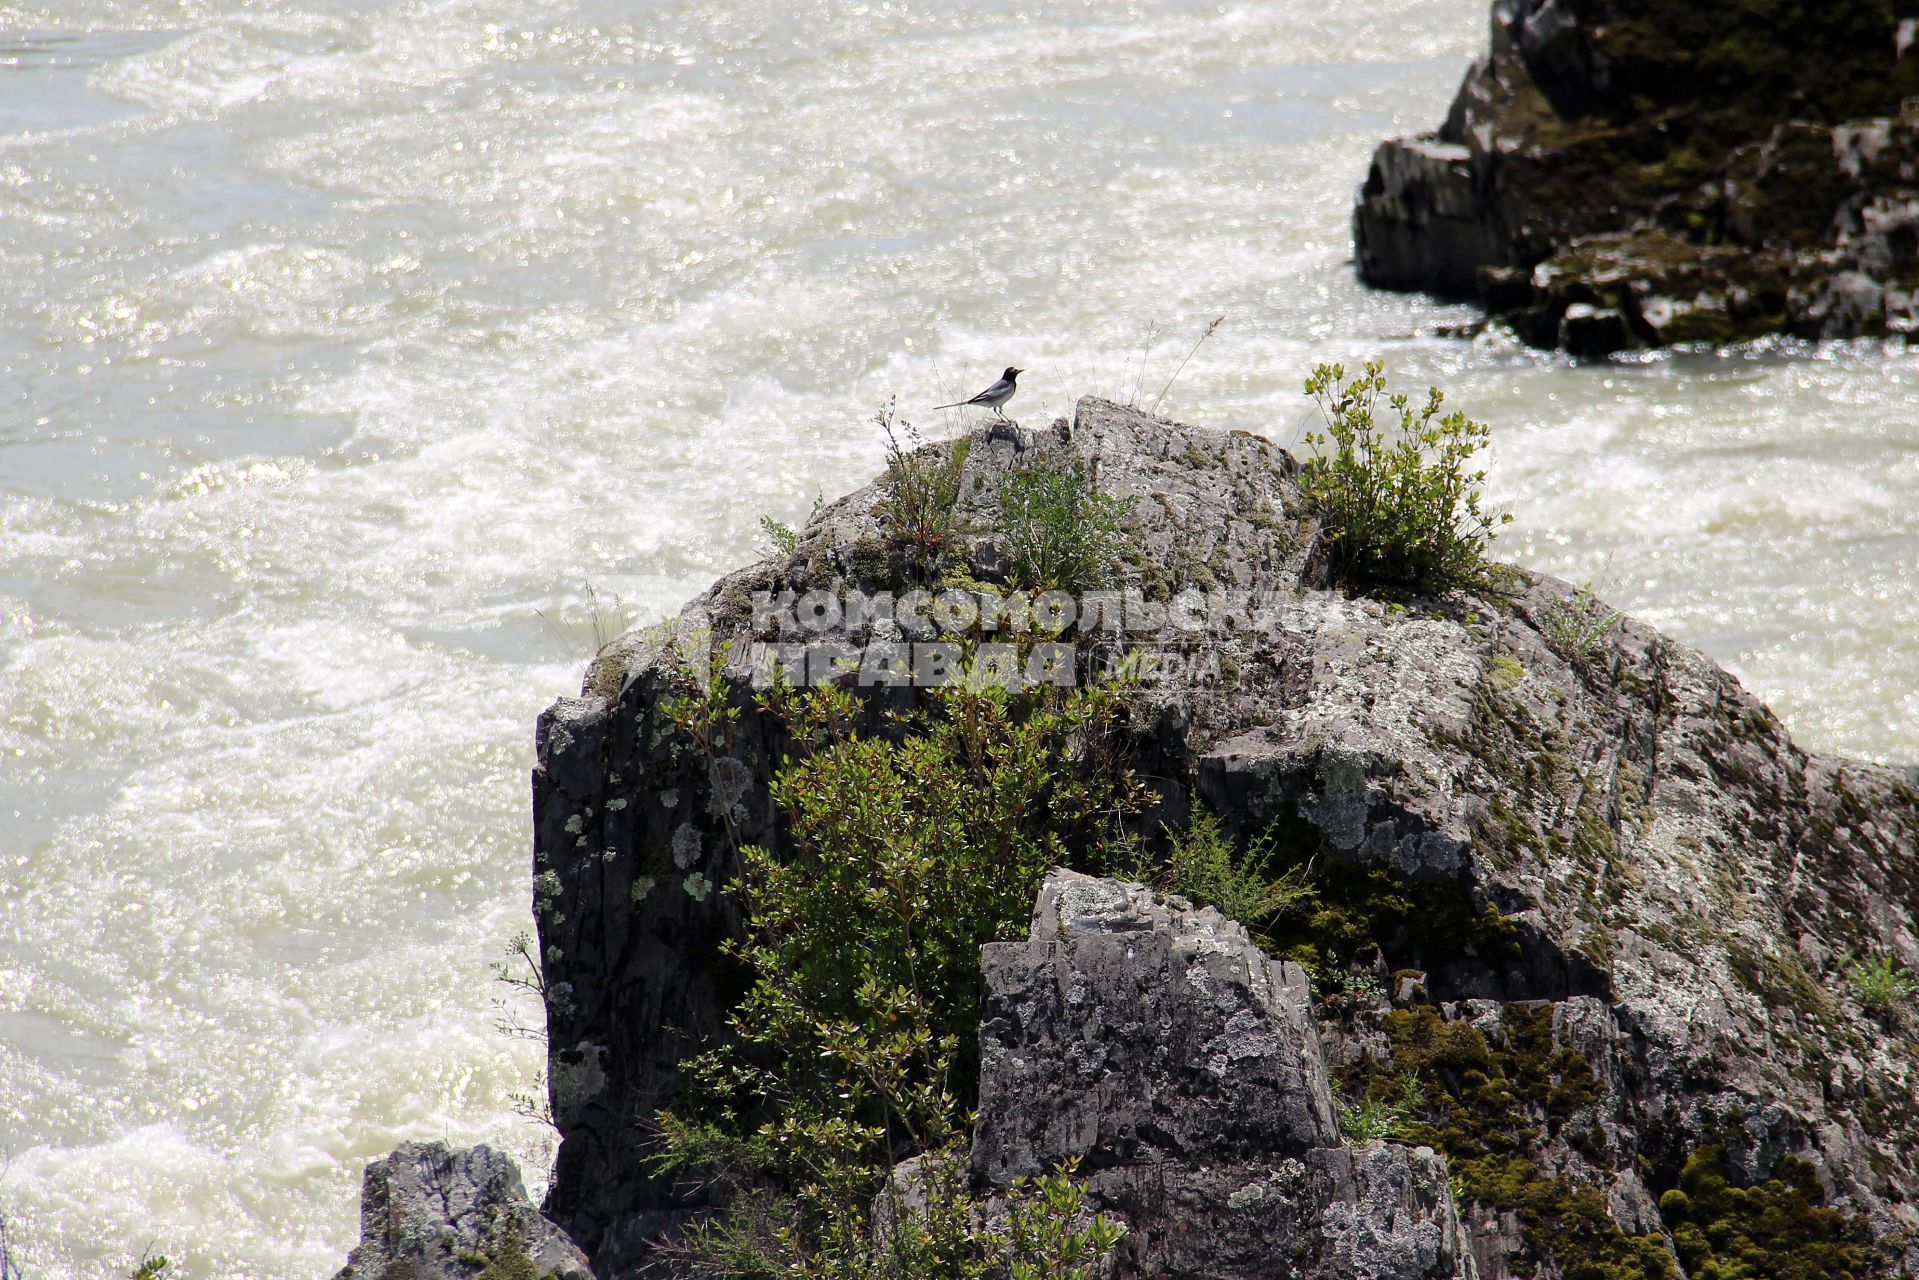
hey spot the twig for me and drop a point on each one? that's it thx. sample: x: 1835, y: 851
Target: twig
x: 1146, y: 350
x: 1182, y: 364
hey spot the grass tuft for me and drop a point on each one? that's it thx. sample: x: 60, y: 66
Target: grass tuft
x: 1202, y: 864
x: 1577, y: 629
x: 1058, y: 531
x: 919, y: 503
x: 1882, y: 984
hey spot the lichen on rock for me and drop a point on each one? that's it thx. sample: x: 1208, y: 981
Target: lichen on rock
x: 433, y: 1212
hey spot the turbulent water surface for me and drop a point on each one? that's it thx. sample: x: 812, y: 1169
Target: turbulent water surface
x: 360, y: 361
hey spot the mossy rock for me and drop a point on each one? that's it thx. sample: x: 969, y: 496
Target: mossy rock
x: 1774, y: 1230
x: 1491, y: 1104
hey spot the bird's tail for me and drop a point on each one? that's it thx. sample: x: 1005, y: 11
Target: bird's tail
x: 957, y: 404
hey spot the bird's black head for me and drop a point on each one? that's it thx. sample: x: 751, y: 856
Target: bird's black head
x: 1012, y: 373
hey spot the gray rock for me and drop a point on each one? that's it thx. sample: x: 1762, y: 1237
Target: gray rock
x: 433, y: 1212
x: 1181, y: 1068
x: 629, y: 851
x: 1132, y: 1031
x: 1387, y: 1211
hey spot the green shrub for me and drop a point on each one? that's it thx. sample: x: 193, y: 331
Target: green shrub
x: 782, y: 539
x: 1058, y: 532
x: 919, y: 495
x: 1202, y: 864
x: 855, y: 1044
x: 1882, y: 984
x: 1400, y: 505
x: 1048, y: 1233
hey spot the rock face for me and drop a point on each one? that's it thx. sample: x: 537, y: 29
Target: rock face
x: 431, y: 1212
x: 1571, y: 879
x: 635, y: 826
x: 1181, y: 1067
x: 1615, y: 174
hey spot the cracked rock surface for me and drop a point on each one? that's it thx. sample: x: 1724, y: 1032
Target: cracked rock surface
x: 433, y: 1212
x: 1180, y: 1066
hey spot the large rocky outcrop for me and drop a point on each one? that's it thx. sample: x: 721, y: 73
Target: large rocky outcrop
x: 635, y: 827
x: 1181, y: 1068
x: 1617, y: 174
x: 1572, y: 877
x: 433, y: 1212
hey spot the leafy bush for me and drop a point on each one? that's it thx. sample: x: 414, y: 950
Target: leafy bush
x: 782, y: 539
x: 1202, y: 864
x: 1881, y: 984
x: 1058, y: 532
x: 1399, y: 503
x: 919, y: 502
x: 1048, y: 1234
x: 855, y: 1044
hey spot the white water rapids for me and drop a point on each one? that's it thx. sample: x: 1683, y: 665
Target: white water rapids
x: 345, y: 343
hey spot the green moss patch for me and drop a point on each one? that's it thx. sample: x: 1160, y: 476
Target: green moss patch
x: 1491, y: 1104
x: 1775, y: 1230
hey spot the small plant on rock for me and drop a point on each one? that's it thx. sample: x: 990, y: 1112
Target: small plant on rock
x: 1060, y: 533
x: 919, y: 496
x: 1050, y: 1236
x: 1203, y: 864
x: 1882, y: 984
x: 1399, y: 498
x: 1384, y: 1116
x: 782, y: 539
x: 1577, y: 629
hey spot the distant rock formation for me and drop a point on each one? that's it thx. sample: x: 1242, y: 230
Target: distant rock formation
x: 434, y: 1212
x: 1617, y: 174
x: 1572, y: 877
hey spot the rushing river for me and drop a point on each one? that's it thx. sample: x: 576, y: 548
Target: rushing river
x: 361, y: 360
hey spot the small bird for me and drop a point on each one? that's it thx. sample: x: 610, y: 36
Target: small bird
x: 994, y: 396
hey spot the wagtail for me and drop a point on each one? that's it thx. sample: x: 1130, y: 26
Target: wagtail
x: 993, y: 397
